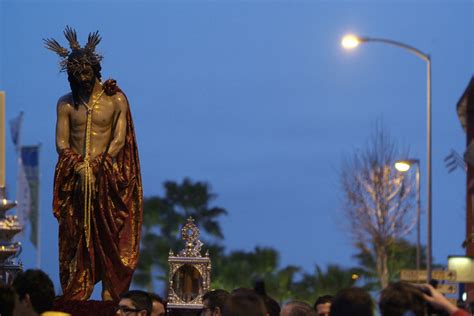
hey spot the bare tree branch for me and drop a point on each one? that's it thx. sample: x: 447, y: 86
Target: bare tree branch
x: 378, y: 200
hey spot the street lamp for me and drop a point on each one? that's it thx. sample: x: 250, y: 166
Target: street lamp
x: 352, y: 41
x: 404, y: 166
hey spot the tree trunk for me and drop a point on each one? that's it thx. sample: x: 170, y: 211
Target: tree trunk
x: 382, y: 265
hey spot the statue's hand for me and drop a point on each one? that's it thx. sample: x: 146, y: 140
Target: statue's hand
x: 81, y: 170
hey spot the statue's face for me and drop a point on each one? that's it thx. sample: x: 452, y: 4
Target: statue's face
x: 81, y: 71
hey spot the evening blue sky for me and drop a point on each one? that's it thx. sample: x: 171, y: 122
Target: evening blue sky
x: 258, y: 99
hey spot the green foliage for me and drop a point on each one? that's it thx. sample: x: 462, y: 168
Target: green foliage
x: 326, y: 282
x: 243, y: 268
x: 164, y: 216
x: 401, y: 255
x: 162, y: 221
x: 240, y: 268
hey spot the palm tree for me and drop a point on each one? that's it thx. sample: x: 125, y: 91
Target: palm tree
x: 281, y: 283
x: 401, y: 255
x: 321, y: 282
x: 242, y: 268
x: 163, y: 218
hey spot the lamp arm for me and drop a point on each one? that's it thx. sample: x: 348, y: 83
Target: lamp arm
x: 412, y: 49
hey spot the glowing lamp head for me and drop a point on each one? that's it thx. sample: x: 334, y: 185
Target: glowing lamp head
x: 350, y: 41
x: 402, y: 166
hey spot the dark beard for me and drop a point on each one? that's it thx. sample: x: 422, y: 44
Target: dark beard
x: 86, y: 87
x: 81, y: 89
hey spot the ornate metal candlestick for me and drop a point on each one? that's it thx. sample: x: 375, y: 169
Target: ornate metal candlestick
x: 9, y: 250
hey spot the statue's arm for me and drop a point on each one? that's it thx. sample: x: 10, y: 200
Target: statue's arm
x: 62, y: 126
x: 120, y: 121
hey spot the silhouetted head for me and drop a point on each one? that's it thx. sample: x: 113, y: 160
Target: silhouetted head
x: 158, y: 305
x: 213, y: 302
x: 322, y: 306
x: 7, y: 300
x: 272, y: 306
x: 401, y: 297
x: 297, y: 308
x: 34, y: 289
x: 352, y: 302
x: 244, y: 302
x: 138, y: 302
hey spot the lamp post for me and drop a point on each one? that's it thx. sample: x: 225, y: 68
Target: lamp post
x: 404, y: 166
x: 352, y: 41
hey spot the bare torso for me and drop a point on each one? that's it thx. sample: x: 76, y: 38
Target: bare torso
x: 108, y: 116
x: 101, y: 127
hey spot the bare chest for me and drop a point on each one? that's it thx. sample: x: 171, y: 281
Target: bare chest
x: 101, y: 114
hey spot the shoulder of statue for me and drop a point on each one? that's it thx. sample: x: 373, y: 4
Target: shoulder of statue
x: 110, y: 87
x: 65, y: 100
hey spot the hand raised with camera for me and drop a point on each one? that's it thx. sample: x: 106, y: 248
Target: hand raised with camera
x: 438, y: 300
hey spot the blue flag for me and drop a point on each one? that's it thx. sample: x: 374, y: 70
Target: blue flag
x: 28, y: 195
x: 15, y: 127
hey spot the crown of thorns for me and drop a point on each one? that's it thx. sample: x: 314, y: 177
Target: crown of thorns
x: 89, y: 49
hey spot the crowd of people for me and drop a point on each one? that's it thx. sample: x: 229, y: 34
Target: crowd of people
x: 398, y: 299
x: 32, y: 293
